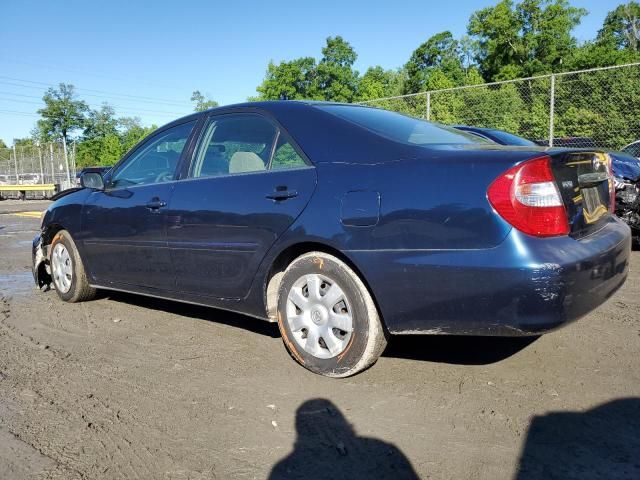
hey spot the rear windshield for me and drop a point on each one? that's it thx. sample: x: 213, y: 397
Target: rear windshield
x: 510, y: 139
x: 401, y: 128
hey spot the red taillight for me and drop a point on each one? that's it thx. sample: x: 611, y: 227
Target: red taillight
x: 527, y: 197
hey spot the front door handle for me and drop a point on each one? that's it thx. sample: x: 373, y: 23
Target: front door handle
x: 279, y: 195
x: 156, y: 204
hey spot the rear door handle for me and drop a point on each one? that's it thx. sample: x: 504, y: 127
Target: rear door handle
x: 279, y: 195
x: 156, y: 204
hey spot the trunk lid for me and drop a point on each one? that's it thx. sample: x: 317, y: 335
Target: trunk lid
x: 586, y: 185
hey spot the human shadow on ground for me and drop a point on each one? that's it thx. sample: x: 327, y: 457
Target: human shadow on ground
x: 327, y: 447
x: 458, y: 350
x: 600, y: 443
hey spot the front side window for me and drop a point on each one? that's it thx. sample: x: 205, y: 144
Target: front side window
x: 234, y: 143
x: 156, y: 160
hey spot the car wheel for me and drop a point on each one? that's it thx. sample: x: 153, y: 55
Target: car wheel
x: 327, y: 318
x: 67, y: 270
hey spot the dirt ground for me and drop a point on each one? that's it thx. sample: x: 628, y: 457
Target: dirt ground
x: 129, y: 387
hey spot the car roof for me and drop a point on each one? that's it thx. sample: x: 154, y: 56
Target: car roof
x: 270, y: 106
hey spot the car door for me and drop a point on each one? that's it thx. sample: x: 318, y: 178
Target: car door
x: 246, y: 185
x: 124, y: 225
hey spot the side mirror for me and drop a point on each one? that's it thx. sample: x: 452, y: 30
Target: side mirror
x: 92, y: 180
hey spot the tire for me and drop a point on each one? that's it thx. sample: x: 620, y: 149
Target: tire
x: 67, y: 271
x: 311, y: 309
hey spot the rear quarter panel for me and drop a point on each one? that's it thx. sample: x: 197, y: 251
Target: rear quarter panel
x: 423, y: 204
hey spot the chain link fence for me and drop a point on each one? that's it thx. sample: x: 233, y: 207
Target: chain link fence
x: 588, y: 108
x: 34, y: 165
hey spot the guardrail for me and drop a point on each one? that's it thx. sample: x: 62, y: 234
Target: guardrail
x: 23, y: 189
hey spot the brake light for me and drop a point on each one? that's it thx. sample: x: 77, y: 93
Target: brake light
x: 527, y: 197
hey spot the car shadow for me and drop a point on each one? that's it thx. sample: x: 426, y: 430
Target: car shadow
x: 603, y: 442
x: 457, y: 350
x: 209, y: 314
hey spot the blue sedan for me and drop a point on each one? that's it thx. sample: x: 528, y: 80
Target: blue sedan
x: 344, y: 224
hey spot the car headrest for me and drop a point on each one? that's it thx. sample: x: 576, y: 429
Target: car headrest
x: 242, y: 162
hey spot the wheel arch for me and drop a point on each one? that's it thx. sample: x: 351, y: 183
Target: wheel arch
x: 290, y: 253
x: 50, y: 232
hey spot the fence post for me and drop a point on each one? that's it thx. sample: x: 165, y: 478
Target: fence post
x: 41, y: 168
x: 552, y: 106
x: 53, y: 168
x: 15, y: 160
x: 428, y: 106
x: 66, y: 160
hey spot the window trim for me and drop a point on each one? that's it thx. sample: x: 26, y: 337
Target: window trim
x: 144, y: 143
x: 187, y: 171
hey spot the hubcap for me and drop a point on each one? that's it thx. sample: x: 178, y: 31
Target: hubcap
x: 61, y: 268
x: 319, y: 316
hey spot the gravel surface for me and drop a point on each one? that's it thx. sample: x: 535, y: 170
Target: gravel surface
x: 131, y: 387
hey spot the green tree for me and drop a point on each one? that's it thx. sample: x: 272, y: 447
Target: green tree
x: 336, y: 79
x: 332, y: 78
x: 293, y: 80
x: 63, y: 113
x: 112, y: 140
x: 439, y: 55
x: 378, y: 82
x: 533, y: 37
x: 132, y: 132
x: 100, y: 123
x: 23, y: 142
x: 621, y: 28
x: 202, y: 103
x: 104, y: 151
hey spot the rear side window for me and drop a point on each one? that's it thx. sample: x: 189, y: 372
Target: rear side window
x: 285, y: 156
x: 401, y: 128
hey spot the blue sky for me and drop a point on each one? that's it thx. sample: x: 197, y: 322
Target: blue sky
x: 145, y: 58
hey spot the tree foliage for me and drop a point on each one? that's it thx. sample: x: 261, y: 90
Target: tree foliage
x: 332, y: 78
x: 621, y: 28
x: 293, y: 80
x: 107, y: 138
x: 378, y: 82
x: 529, y: 38
x: 63, y: 114
x: 202, y: 103
x: 440, y: 56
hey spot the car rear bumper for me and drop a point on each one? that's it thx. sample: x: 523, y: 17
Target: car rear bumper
x: 525, y: 286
